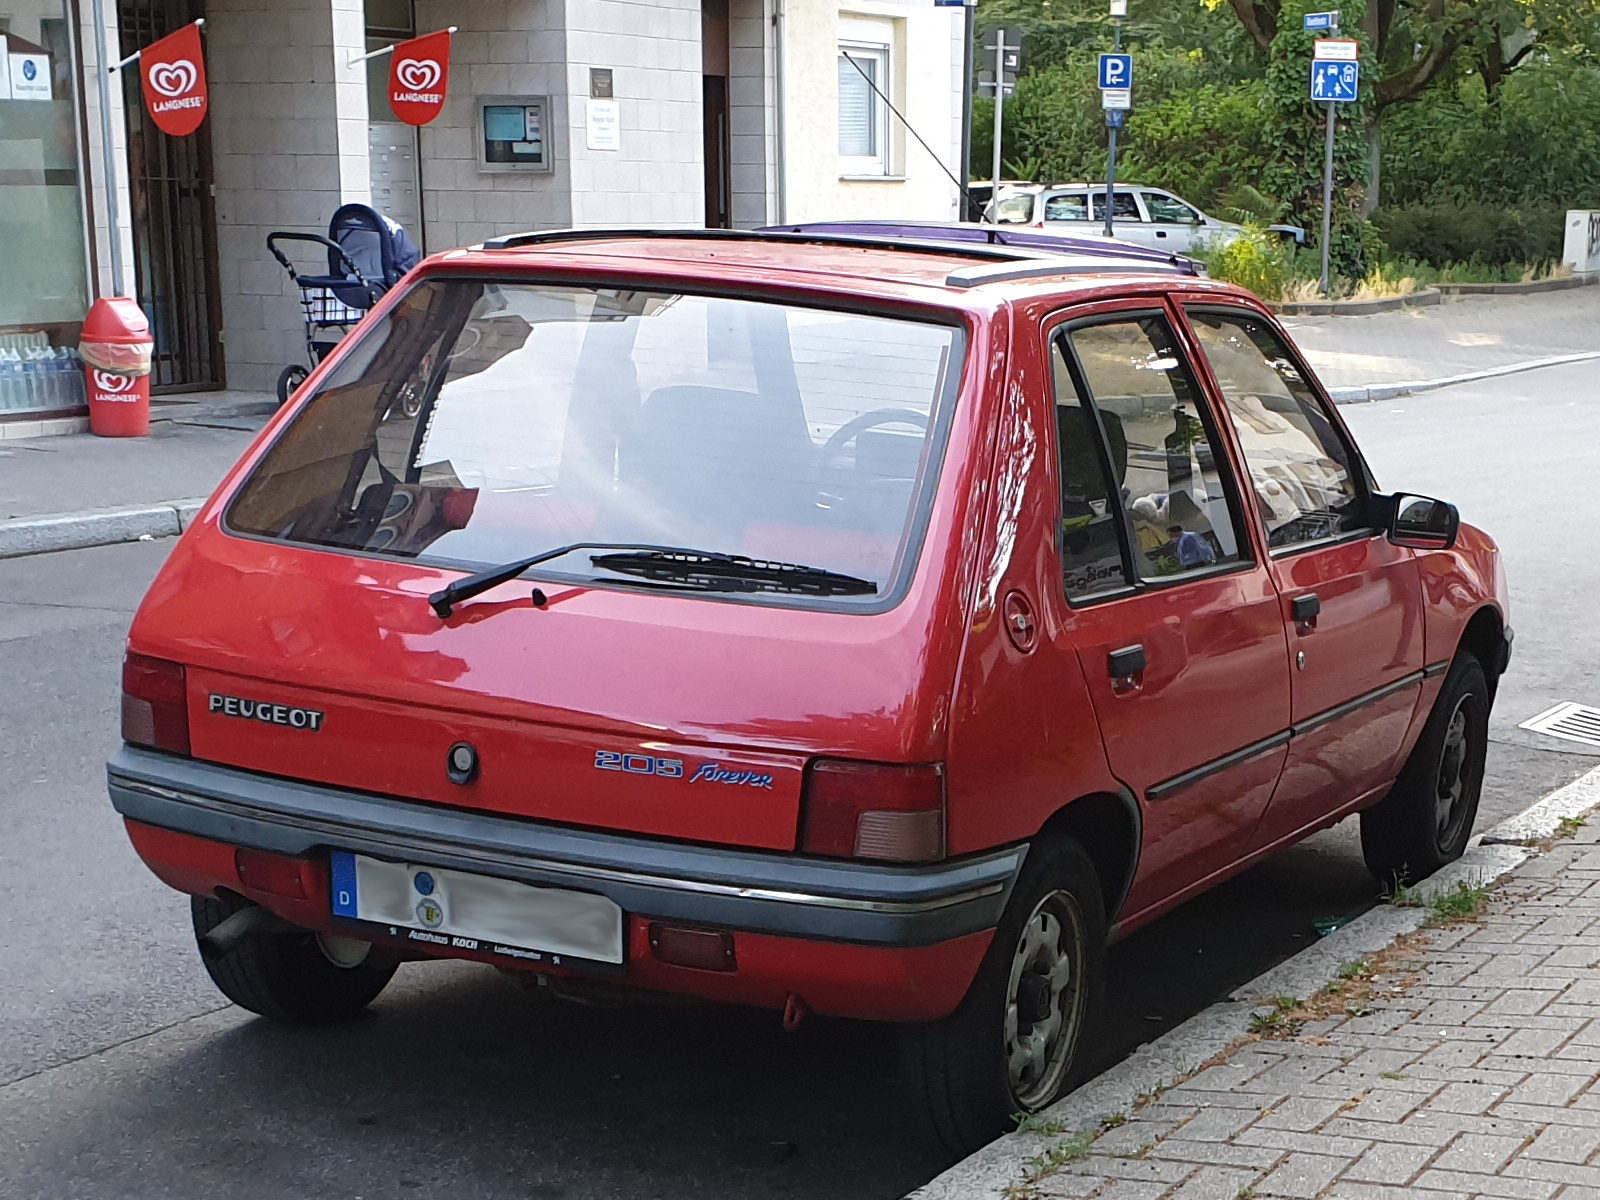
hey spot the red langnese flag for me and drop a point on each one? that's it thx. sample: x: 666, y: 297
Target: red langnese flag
x: 173, y: 73
x: 419, y: 73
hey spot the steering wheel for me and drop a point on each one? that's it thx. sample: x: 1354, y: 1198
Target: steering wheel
x: 853, y: 429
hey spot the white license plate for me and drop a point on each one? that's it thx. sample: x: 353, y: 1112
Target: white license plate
x: 496, y: 916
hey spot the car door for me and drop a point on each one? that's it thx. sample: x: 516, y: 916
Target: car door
x: 1128, y: 220
x: 1165, y: 599
x: 1352, y: 600
x: 1173, y: 224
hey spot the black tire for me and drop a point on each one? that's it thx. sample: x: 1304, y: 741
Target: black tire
x: 288, y: 380
x: 957, y: 1071
x: 287, y: 976
x: 1425, y: 820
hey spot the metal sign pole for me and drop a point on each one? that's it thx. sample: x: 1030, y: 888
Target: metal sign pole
x: 999, y: 109
x: 113, y: 217
x: 1111, y: 156
x: 969, y: 16
x: 1327, y: 199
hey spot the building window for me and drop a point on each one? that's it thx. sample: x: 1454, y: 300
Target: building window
x: 864, y: 141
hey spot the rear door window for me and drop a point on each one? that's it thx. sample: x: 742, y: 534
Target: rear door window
x: 482, y: 422
x: 1123, y: 207
x: 1171, y: 476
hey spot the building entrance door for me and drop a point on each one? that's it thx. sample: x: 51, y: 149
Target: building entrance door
x: 174, y: 219
x: 714, y: 66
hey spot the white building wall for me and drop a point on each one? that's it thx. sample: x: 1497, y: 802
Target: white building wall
x: 657, y: 177
x: 752, y: 120
x: 288, y: 135
x: 503, y: 48
x: 926, y: 87
x: 94, y: 153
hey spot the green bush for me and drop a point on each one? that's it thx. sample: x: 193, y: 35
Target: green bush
x: 1472, y: 232
x: 1255, y: 260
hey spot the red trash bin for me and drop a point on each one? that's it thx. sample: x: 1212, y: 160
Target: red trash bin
x: 115, y: 347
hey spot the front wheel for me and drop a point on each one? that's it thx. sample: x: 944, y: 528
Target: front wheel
x: 290, y: 974
x: 1017, y: 1041
x: 1425, y: 820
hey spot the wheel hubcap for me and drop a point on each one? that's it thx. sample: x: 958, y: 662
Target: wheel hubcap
x: 1450, y: 791
x: 1044, y: 1003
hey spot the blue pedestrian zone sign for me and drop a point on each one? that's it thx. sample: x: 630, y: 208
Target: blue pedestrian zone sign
x: 1116, y: 71
x: 1336, y: 82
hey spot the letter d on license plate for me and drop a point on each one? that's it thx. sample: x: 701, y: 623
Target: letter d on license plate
x: 477, y: 912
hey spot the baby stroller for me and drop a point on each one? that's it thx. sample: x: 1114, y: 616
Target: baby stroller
x: 367, y: 255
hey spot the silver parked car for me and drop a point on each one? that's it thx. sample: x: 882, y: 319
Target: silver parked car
x: 1146, y: 216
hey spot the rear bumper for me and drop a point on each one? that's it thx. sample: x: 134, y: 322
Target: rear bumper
x: 756, y: 892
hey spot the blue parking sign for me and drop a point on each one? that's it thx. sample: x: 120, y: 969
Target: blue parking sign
x: 1116, y: 71
x: 1338, y: 82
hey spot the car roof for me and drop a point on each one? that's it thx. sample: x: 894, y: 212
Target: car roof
x: 967, y: 233
x: 923, y: 257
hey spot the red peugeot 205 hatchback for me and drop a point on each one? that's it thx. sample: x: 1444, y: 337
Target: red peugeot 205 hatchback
x: 822, y: 623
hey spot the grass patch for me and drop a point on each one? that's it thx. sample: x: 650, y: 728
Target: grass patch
x: 1568, y: 826
x: 1067, y: 1150
x: 1354, y: 969
x: 1462, y: 901
x: 1038, y: 1123
x: 1277, y: 1018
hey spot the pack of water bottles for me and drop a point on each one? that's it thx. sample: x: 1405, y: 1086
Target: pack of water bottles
x: 36, y: 375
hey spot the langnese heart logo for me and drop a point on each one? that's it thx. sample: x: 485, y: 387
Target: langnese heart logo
x: 418, y: 74
x: 173, y: 79
x: 114, y: 384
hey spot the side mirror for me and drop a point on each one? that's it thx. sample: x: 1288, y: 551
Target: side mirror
x: 1423, y: 523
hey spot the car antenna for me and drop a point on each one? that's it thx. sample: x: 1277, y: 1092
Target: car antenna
x: 966, y: 194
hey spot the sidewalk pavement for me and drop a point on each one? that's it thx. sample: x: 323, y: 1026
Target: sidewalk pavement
x: 60, y: 493
x: 1459, y: 1060
x: 1466, y: 335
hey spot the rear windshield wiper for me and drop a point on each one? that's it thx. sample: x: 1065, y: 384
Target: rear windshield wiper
x: 694, y: 568
x: 732, y: 572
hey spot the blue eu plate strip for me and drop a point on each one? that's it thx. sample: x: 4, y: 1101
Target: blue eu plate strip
x: 343, y: 870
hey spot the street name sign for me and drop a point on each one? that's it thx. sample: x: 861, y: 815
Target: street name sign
x: 1322, y: 20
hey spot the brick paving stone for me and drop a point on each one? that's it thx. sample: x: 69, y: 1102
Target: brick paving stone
x: 1563, y: 1143
x: 1222, y: 1154
x: 1215, y: 1124
x: 1117, y: 1189
x: 1487, y: 1185
x: 1302, y: 1175
x: 1134, y: 1137
x: 1145, y: 1169
x: 1300, y: 1112
x: 1388, y: 1162
x: 1478, y: 1153
x: 1214, y: 1183
x: 1386, y: 1104
x: 1311, y: 1143
x: 1374, y: 1191
x: 1072, y: 1187
x: 1549, y: 1087
x: 1467, y: 1098
x: 1523, y: 1167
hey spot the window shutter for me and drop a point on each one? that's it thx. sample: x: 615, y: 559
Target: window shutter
x: 857, y: 129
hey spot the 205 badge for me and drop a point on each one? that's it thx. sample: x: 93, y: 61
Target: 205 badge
x: 673, y: 768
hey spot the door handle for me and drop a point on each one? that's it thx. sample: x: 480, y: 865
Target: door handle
x: 1305, y: 610
x: 1126, y: 662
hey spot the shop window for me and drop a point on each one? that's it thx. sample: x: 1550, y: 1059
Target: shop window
x: 44, y: 276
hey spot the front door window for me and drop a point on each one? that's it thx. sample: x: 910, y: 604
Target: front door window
x: 1303, y: 474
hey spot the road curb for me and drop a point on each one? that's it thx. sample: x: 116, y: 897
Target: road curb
x: 1428, y: 297
x: 96, y: 527
x: 1388, y: 391
x: 1001, y: 1165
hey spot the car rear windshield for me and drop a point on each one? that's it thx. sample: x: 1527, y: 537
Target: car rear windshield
x: 480, y: 422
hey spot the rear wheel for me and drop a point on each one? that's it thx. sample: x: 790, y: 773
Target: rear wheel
x: 291, y: 974
x: 1425, y: 820
x: 288, y: 380
x: 1018, y: 1040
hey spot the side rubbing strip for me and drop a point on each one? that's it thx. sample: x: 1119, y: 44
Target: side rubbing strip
x: 1167, y: 787
x: 1162, y: 790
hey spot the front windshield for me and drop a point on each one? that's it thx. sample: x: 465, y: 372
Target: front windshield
x: 1015, y: 209
x: 481, y: 422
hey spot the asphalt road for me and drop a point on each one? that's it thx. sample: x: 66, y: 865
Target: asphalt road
x: 122, y: 1074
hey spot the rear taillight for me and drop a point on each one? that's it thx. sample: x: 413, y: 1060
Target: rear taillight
x: 873, y: 810
x: 155, y: 704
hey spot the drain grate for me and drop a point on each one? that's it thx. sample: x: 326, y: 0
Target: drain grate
x: 1572, y: 722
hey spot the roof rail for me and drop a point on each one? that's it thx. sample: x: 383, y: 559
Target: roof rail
x: 1041, y: 268
x: 546, y: 237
